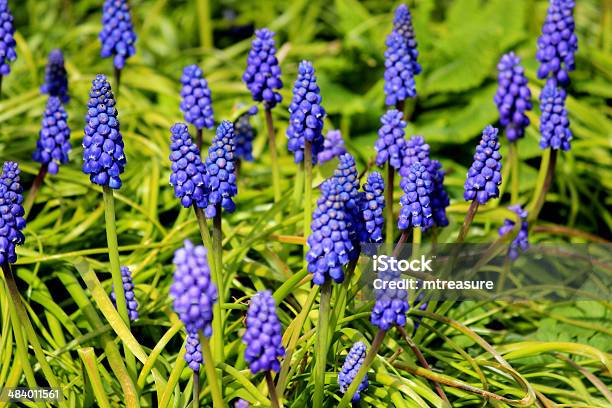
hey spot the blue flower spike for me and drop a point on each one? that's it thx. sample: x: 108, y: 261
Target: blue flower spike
x: 263, y: 74
x: 329, y: 244
x: 558, y: 42
x: 188, y: 170
x: 352, y: 363
x: 193, y: 352
x: 103, y: 157
x: 333, y: 146
x: 554, y: 123
x: 391, y: 305
x: 12, y: 221
x: 391, y: 142
x: 128, y: 290
x: 484, y: 176
x: 220, y: 177
x: 513, y: 97
x: 7, y: 39
x: 520, y: 243
x: 196, y: 101
x: 117, y: 35
x: 53, y: 145
x: 56, y: 77
x: 306, y: 114
x: 245, y: 134
x: 372, y: 207
x: 416, y: 208
x: 263, y: 336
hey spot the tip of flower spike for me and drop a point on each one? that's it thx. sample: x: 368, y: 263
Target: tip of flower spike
x: 306, y: 68
x: 56, y: 56
x: 226, y: 128
x: 264, y: 34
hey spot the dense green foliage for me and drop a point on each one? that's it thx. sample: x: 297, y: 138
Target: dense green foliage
x: 460, y: 42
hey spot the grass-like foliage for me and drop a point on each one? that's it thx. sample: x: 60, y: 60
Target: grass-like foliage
x: 60, y: 327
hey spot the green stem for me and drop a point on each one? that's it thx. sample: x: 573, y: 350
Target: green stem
x: 298, y: 189
x: 390, y: 172
x: 416, y: 240
x: 321, y: 343
x: 217, y: 242
x: 272, y: 390
x: 514, y: 160
x: 1, y: 76
x: 403, y: 239
x: 307, y: 190
x: 547, y: 170
x: 117, y: 72
x: 417, y: 352
x: 196, y: 390
x: 467, y: 221
x: 205, y: 24
x: 115, y: 267
x: 29, y: 201
x: 211, y: 373
x: 273, y: 159
x: 348, y: 395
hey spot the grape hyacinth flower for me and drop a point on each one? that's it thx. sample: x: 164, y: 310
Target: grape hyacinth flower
x: 348, y: 179
x: 53, y: 143
x: 554, y: 123
x: 415, y: 151
x: 353, y: 362
x: 12, y: 221
x: 372, y: 206
x: 306, y: 114
x: 128, y: 290
x: 391, y: 143
x: 333, y: 146
x: 399, y: 74
x: 521, y: 242
x: 196, y: 98
x: 513, y: 97
x: 391, y: 305
x: 329, y: 244
x: 416, y: 208
x: 193, y: 352
x: 263, y: 74
x: 193, y: 291
x: 263, y: 336
x: 402, y: 24
x: 56, y: 78
x: 240, y: 403
x: 484, y: 176
x: 245, y: 134
x: 220, y: 177
x: 188, y: 171
x: 103, y: 156
x: 7, y: 40
x: 117, y: 35
x: 558, y: 42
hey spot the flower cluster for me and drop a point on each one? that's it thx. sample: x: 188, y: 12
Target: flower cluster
x: 262, y: 75
x: 7, y: 41
x: 390, y: 143
x: 353, y: 362
x: 53, y: 143
x: 399, y: 75
x: 513, y: 97
x: 220, y: 177
x: 188, y: 171
x: 103, y: 156
x: 263, y: 336
x: 117, y: 35
x: 554, y: 123
x: 484, y: 176
x: 196, y: 99
x: 391, y: 305
x: 329, y: 244
x: 192, y: 289
x: 558, y: 42
x: 372, y: 206
x: 521, y: 242
x: 12, y: 222
x: 416, y: 203
x: 244, y: 135
x: 56, y: 78
x: 306, y: 114
x: 348, y: 179
x: 128, y: 290
x: 193, y: 352
x: 402, y: 24
x: 333, y: 146
x: 415, y: 151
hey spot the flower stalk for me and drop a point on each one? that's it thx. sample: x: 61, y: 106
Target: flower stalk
x: 272, y: 390
x: 547, y: 169
x: 273, y: 156
x: 38, y: 181
x: 390, y: 172
x: 467, y: 221
x: 217, y: 243
x: 321, y: 342
x: 211, y: 373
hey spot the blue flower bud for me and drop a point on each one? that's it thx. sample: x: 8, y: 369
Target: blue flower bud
x: 188, y: 171
x: 117, y: 35
x: 56, y: 78
x: 263, y: 74
x: 12, y: 221
x: 513, y: 97
x: 128, y: 290
x: 372, y: 207
x: 245, y: 134
x: 391, y: 143
x: 391, y: 305
x: 484, y: 176
x: 353, y: 362
x: 53, y: 143
x: 416, y: 202
x: 220, y: 177
x: 333, y: 146
x: 554, y: 123
x: 7, y: 39
x: 196, y: 101
x: 521, y: 242
x: 193, y: 352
